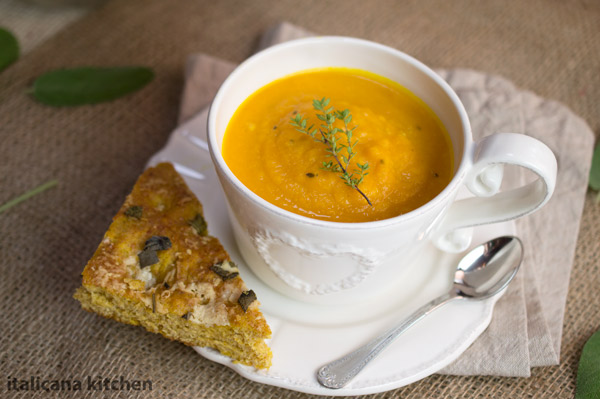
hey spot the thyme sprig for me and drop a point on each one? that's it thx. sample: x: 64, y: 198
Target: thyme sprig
x: 342, y: 152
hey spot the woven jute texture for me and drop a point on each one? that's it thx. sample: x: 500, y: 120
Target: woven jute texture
x: 97, y: 152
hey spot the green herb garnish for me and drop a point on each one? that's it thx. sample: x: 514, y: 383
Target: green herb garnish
x: 588, y: 372
x: 226, y: 270
x: 149, y: 255
x: 134, y: 212
x: 89, y: 85
x: 199, y: 224
x: 157, y: 243
x: 246, y: 299
x: 9, y: 49
x: 595, y: 172
x: 341, y: 152
x: 27, y: 195
x: 148, y: 258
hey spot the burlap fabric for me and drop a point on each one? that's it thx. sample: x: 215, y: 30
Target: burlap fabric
x: 97, y: 152
x: 32, y: 22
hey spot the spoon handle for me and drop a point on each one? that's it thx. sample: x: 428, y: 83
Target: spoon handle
x: 338, y: 373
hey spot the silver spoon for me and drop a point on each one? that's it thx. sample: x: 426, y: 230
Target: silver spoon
x: 481, y: 273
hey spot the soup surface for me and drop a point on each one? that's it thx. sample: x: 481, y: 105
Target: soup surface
x: 407, y: 148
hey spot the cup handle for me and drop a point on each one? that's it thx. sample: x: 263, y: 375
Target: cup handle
x: 484, y: 179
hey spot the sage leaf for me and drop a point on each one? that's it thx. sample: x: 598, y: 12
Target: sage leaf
x: 588, y: 373
x: 157, y: 243
x: 135, y: 212
x: 226, y: 270
x: 9, y: 48
x: 199, y: 224
x: 595, y: 171
x: 148, y: 257
x: 246, y: 299
x: 89, y: 85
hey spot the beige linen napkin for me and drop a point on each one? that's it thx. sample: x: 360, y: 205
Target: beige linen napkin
x: 526, y: 327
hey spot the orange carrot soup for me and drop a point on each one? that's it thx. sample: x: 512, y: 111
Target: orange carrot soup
x: 407, y: 149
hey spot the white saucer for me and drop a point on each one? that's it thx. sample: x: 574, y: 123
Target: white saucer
x: 306, y: 336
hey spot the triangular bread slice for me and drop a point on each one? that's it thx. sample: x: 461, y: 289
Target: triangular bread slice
x: 157, y: 267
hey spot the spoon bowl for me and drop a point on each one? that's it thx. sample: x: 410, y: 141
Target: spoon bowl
x: 482, y: 273
x: 488, y: 268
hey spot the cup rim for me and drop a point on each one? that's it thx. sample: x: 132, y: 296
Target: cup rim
x: 220, y: 163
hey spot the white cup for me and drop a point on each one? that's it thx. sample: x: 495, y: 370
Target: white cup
x: 339, y: 263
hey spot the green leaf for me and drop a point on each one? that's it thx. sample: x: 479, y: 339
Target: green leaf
x: 595, y: 171
x: 588, y: 373
x: 89, y: 85
x: 199, y: 224
x: 9, y: 48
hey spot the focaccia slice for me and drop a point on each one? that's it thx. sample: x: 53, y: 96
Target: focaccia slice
x: 157, y: 267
